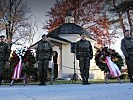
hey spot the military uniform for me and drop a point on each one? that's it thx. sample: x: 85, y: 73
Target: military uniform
x: 4, y: 56
x: 43, y: 55
x: 84, y: 54
x: 127, y: 49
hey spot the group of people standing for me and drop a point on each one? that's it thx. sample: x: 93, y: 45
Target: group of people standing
x: 83, y: 51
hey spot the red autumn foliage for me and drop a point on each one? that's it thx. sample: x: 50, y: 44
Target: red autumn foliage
x: 87, y: 13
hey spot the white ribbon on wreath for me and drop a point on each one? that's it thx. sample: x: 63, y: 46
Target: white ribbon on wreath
x: 18, y: 68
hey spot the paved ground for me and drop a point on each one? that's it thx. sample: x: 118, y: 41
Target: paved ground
x: 112, y: 91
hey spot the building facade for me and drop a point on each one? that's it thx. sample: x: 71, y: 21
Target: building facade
x: 62, y: 39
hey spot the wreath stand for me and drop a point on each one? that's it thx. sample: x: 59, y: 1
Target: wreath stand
x: 17, y: 73
x: 75, y: 76
x: 24, y: 79
x: 107, y: 78
x: 107, y: 74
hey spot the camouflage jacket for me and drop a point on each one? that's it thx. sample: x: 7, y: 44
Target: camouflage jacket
x: 127, y: 46
x: 44, y: 50
x: 4, y: 51
x: 83, y: 49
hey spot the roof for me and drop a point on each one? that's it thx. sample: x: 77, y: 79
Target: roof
x: 67, y: 28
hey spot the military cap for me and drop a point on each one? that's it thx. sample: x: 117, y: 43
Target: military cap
x: 44, y: 35
x: 82, y: 34
x: 2, y: 36
x: 126, y: 31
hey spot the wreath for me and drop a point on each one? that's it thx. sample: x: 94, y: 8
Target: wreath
x: 100, y: 57
x: 28, y: 60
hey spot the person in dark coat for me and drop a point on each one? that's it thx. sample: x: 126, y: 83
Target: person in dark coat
x: 84, y: 53
x: 43, y: 55
x: 4, y: 54
x: 127, y: 49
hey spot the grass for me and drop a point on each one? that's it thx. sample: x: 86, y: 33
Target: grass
x: 61, y: 81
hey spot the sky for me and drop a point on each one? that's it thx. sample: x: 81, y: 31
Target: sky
x: 39, y: 9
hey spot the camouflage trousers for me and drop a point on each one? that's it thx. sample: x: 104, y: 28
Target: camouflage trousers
x: 129, y: 63
x: 2, y: 65
x: 84, y: 64
x: 43, y: 69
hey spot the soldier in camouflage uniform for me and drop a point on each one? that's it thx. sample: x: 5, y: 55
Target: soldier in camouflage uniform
x: 43, y: 55
x: 84, y: 54
x: 127, y: 49
x: 4, y: 54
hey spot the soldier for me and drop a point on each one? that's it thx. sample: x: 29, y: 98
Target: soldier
x: 127, y: 49
x: 84, y: 54
x: 4, y: 54
x: 43, y: 55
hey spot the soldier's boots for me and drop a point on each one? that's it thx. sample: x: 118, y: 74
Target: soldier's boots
x: 119, y: 80
x: 0, y: 80
x: 42, y: 83
x: 106, y: 80
x: 131, y: 79
x: 85, y: 82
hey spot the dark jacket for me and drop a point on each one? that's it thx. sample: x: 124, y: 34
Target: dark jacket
x: 44, y: 50
x: 84, y: 49
x: 4, y: 51
x: 127, y: 46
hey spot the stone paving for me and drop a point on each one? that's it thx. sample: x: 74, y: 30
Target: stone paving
x: 112, y: 91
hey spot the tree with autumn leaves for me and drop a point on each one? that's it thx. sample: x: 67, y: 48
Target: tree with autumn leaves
x: 87, y: 13
x: 97, y: 17
x: 101, y: 18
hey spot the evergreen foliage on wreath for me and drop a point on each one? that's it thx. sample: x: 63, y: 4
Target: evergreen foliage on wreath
x: 28, y: 61
x: 100, y: 57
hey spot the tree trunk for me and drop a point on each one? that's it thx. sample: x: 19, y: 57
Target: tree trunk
x: 121, y: 22
x: 129, y: 19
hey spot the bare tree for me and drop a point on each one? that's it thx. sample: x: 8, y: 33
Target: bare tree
x: 33, y: 31
x: 14, y: 15
x: 124, y: 9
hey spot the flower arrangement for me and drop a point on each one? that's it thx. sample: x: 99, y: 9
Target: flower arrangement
x: 101, y: 55
x: 21, y: 51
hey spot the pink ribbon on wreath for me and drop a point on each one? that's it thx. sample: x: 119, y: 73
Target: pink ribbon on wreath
x: 114, y: 70
x: 17, y: 70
